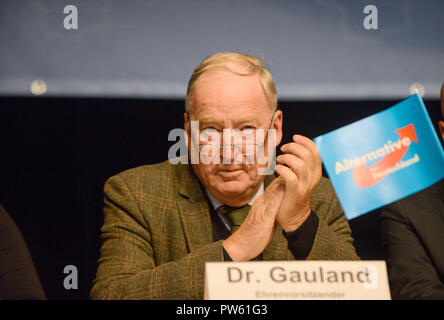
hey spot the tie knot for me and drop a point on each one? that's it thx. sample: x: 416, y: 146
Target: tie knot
x: 235, y: 214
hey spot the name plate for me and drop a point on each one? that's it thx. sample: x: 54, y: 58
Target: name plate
x: 297, y: 280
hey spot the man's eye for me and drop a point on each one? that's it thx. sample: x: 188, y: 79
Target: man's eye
x: 248, y: 129
x: 209, y: 130
x: 209, y: 134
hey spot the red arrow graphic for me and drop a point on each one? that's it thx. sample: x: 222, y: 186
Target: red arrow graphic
x: 367, y: 176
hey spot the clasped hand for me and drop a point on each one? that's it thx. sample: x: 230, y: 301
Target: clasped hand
x: 301, y: 168
x: 285, y: 201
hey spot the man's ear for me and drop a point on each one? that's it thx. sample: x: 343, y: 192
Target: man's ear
x: 186, y: 121
x: 441, y: 128
x: 186, y: 126
x: 277, y: 125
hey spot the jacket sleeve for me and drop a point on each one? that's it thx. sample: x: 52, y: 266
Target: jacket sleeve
x: 127, y: 268
x: 333, y: 240
x: 411, y: 272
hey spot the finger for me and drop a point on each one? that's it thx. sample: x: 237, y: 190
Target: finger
x: 268, y: 203
x: 274, y: 202
x: 291, y: 180
x: 308, y: 143
x: 306, y: 150
x: 275, y: 184
x: 275, y: 190
x: 297, y: 165
x: 298, y: 150
x: 290, y: 160
x: 311, y: 145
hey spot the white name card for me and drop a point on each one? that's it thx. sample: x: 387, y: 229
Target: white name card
x: 297, y: 280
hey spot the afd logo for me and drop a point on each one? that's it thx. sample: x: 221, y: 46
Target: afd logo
x: 390, y: 157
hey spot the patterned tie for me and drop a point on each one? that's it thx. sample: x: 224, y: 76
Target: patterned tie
x: 235, y: 214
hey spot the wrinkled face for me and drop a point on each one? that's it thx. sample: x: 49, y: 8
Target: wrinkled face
x: 223, y: 100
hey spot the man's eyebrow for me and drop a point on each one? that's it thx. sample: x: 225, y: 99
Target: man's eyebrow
x: 248, y: 120
x: 207, y: 119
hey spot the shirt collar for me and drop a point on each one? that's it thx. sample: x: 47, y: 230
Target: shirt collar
x: 216, y: 203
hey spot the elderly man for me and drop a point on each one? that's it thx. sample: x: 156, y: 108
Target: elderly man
x: 164, y: 221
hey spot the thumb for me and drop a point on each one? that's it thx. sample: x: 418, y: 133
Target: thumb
x: 273, y: 197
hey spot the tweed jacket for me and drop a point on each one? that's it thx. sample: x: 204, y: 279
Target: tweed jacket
x: 157, y: 234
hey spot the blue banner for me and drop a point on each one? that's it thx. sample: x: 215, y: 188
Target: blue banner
x: 383, y: 158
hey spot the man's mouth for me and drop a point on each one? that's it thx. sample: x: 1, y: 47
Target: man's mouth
x: 230, y: 172
x: 230, y: 169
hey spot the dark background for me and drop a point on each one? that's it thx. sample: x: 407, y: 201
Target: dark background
x: 56, y: 154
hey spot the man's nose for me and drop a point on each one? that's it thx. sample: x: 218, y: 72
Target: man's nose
x: 227, y: 147
x: 229, y: 152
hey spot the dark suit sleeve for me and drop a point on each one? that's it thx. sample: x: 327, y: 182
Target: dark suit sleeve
x: 18, y: 277
x: 300, y: 241
x: 411, y: 271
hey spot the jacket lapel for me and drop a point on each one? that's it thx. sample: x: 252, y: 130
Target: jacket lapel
x: 193, y: 208
x: 196, y: 221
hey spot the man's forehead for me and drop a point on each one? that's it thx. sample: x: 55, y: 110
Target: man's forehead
x: 223, y: 91
x: 211, y: 115
x: 220, y: 80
